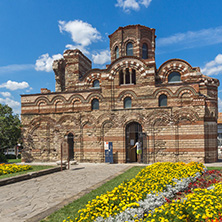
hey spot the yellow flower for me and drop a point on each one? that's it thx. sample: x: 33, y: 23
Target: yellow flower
x: 153, y: 178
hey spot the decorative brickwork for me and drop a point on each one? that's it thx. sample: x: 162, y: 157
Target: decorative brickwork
x: 184, y: 128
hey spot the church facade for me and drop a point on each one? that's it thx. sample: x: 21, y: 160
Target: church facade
x: 172, y: 109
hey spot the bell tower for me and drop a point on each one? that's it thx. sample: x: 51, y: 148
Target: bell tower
x: 133, y: 40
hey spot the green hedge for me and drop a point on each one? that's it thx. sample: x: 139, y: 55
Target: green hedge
x: 12, y: 156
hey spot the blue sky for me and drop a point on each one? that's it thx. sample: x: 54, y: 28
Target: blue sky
x: 34, y: 32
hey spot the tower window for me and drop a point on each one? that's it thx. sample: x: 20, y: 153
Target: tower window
x: 145, y: 51
x: 96, y: 84
x: 162, y: 100
x: 116, y: 52
x: 129, y: 49
x: 95, y: 104
x: 174, y: 77
x: 127, y: 103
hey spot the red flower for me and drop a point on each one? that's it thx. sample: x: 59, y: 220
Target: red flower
x: 168, y: 201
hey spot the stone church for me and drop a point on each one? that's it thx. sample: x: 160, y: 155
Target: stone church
x: 172, y: 109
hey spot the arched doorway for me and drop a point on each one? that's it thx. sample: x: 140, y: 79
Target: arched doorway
x: 133, y: 134
x: 70, y: 142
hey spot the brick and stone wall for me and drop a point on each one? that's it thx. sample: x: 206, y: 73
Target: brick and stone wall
x: 183, y: 130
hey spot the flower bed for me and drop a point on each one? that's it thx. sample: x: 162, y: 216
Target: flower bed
x: 201, y: 205
x: 209, y: 178
x: 159, y: 178
x: 12, y: 168
x: 203, y: 202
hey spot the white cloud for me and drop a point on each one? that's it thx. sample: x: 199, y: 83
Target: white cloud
x: 102, y: 57
x: 16, y: 106
x: 44, y: 62
x: 28, y: 90
x: 213, y: 67
x: 128, y: 5
x: 192, y: 39
x: 12, y: 85
x: 6, y: 94
x: 219, y: 104
x: 146, y: 3
x: 82, y: 33
x: 15, y: 68
x: 80, y: 47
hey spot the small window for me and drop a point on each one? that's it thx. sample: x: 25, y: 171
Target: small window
x: 163, y: 100
x: 121, y: 77
x: 174, y: 77
x: 145, y: 51
x: 96, y: 84
x: 127, y: 103
x: 129, y: 49
x: 117, y: 52
x: 133, y: 76
x: 127, y: 74
x: 95, y: 104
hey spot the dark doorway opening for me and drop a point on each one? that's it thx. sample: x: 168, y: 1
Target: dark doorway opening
x: 133, y: 134
x: 71, y: 146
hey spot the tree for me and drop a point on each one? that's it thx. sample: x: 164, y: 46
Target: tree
x: 10, y: 127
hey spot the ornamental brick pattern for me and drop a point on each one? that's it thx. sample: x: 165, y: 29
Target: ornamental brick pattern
x: 184, y: 129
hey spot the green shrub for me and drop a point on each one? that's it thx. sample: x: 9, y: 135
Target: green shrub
x: 3, y: 158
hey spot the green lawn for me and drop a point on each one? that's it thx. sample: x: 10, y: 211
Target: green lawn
x: 214, y: 168
x: 14, y: 160
x: 34, y: 168
x: 73, y: 208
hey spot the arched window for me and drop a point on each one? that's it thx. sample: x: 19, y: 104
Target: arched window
x: 70, y: 141
x: 174, y: 77
x: 129, y: 49
x: 96, y: 84
x: 95, y: 104
x: 162, y: 100
x: 121, y: 77
x: 127, y: 76
x: 117, y: 52
x: 145, y: 51
x: 127, y: 103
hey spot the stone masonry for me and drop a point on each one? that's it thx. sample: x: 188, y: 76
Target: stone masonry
x: 172, y: 109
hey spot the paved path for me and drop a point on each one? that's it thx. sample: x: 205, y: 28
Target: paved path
x: 23, y: 200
